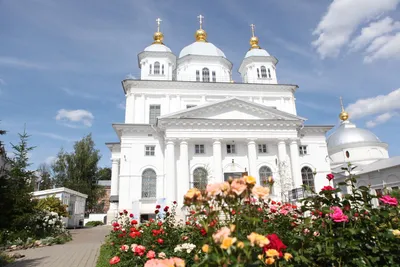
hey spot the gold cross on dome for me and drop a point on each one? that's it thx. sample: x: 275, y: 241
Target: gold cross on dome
x: 252, y: 29
x: 200, y: 17
x: 158, y: 20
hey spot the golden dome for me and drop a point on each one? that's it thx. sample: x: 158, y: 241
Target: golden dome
x: 158, y: 38
x: 201, y: 35
x: 344, y: 116
x: 253, y: 39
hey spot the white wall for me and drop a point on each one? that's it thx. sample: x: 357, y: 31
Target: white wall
x: 359, y: 155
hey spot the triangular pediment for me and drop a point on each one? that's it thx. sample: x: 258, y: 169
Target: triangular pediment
x: 233, y: 109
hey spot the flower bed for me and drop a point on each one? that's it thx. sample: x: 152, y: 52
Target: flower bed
x: 235, y: 224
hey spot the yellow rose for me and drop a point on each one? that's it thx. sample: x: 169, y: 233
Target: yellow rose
x: 192, y: 193
x: 205, y: 248
x: 240, y: 244
x: 250, y: 180
x: 287, y: 256
x: 232, y: 227
x: 260, y: 257
x: 272, y: 253
x: 228, y: 242
x: 396, y: 233
x: 270, y: 261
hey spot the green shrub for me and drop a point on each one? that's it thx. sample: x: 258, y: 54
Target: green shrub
x: 5, y: 259
x: 94, y: 223
x: 52, y: 204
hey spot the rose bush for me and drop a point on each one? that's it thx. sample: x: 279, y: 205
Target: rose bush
x: 234, y: 223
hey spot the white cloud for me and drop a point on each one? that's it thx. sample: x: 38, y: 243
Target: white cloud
x: 20, y: 63
x: 384, y: 47
x: 374, y: 30
x: 342, y: 19
x: 75, y: 116
x: 380, y: 119
x: 389, y: 103
x: 78, y: 94
x: 53, y: 136
x: 50, y: 160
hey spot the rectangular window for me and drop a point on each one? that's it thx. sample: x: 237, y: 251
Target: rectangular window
x: 155, y: 111
x: 197, y: 76
x: 231, y: 149
x: 149, y: 150
x: 190, y: 106
x: 303, y: 150
x: 214, y: 77
x: 262, y: 148
x: 199, y: 149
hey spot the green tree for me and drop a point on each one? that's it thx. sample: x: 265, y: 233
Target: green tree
x: 104, y: 174
x: 78, y: 170
x: 16, y: 207
x: 44, y: 177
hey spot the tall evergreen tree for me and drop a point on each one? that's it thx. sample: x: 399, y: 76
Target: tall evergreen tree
x: 44, y: 180
x: 78, y: 170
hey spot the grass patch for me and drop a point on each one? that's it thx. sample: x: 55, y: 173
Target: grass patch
x: 105, y: 256
x: 94, y: 223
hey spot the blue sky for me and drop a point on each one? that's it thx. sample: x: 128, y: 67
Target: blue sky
x: 62, y: 62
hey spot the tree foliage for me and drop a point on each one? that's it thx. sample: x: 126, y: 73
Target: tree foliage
x: 78, y: 170
x: 44, y: 179
x: 104, y: 174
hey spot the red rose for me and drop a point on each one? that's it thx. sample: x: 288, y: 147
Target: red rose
x: 174, y: 202
x: 233, y: 212
x: 356, y: 214
x: 120, y: 213
x: 188, y: 223
x: 131, y: 215
x: 125, y: 212
x: 160, y: 241
x: 166, y: 208
x: 115, y: 260
x: 133, y: 222
x: 158, y: 207
x: 156, y: 211
x: 327, y: 188
x: 274, y: 243
x: 330, y: 176
x: 159, y: 223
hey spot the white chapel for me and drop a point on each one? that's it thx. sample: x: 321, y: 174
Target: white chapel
x: 188, y: 124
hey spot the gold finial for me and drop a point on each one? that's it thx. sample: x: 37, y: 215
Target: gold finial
x: 344, y: 116
x: 253, y: 39
x: 201, y: 35
x: 158, y: 36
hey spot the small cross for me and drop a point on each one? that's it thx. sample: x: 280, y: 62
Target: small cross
x: 252, y: 29
x: 200, y: 17
x: 341, y: 103
x: 158, y: 24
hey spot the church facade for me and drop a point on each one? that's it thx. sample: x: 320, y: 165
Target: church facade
x: 188, y: 124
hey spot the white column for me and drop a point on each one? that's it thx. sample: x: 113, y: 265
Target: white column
x: 294, y: 158
x: 112, y: 211
x: 130, y: 108
x: 145, y: 110
x: 217, y: 157
x: 282, y: 150
x: 183, y: 185
x: 171, y: 175
x: 252, y: 157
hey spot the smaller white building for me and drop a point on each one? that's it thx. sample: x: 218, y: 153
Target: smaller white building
x: 75, y: 201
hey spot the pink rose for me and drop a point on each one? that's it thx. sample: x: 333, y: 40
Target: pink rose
x: 238, y: 186
x: 222, y: 233
x: 328, y: 188
x: 392, y: 201
x: 213, y: 189
x: 151, y: 254
x: 330, y: 176
x: 124, y: 248
x: 260, y: 191
x: 337, y: 215
x: 115, y: 260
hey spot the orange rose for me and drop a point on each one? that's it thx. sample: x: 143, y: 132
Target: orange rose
x: 238, y: 186
x: 260, y: 191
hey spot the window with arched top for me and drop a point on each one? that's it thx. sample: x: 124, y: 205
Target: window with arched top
x: 258, y: 73
x: 200, y: 179
x: 263, y: 72
x: 269, y: 73
x: 156, y: 67
x: 206, y: 75
x: 264, y: 173
x: 307, y: 176
x: 162, y: 69
x: 150, y: 69
x: 149, y: 183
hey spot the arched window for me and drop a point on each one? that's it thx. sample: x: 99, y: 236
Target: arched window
x: 200, y: 180
x: 150, y: 69
x: 162, y: 69
x: 258, y: 72
x: 263, y: 72
x: 307, y: 177
x: 269, y: 73
x: 156, y: 67
x: 264, y: 172
x: 206, y: 75
x: 149, y: 184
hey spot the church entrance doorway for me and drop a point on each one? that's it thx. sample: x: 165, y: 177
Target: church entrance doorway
x: 234, y: 175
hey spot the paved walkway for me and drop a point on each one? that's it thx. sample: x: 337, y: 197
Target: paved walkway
x: 82, y: 251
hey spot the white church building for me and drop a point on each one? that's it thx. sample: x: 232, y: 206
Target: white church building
x: 187, y: 123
